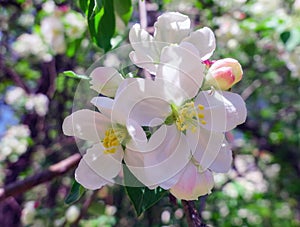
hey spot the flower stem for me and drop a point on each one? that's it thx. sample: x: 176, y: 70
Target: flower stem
x: 192, y: 215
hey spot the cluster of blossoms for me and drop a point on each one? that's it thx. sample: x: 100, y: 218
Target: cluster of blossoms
x: 17, y: 97
x: 56, y: 29
x: 14, y: 142
x: 169, y: 131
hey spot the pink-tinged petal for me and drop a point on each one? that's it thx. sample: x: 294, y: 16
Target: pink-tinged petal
x: 207, y: 145
x: 181, y: 66
x: 85, y: 176
x: 220, y: 79
x: 146, y: 101
x: 172, y: 181
x: 193, y: 184
x: 235, y: 66
x: 223, y: 74
x: 104, y: 105
x: 223, y: 161
x: 105, y: 80
x: 86, y: 124
x: 105, y: 165
x: 161, y: 159
x: 222, y: 111
x: 205, y: 41
x: 171, y: 27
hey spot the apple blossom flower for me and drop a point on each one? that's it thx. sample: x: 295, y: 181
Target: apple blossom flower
x: 52, y: 29
x: 37, y: 102
x: 223, y: 74
x: 14, y: 142
x: 15, y: 96
x: 103, y: 161
x: 75, y: 25
x: 31, y: 44
x: 49, y: 7
x: 170, y: 28
x: 195, y: 127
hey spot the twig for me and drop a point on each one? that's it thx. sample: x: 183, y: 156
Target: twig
x: 87, y: 203
x: 13, y: 75
x: 143, y: 14
x: 250, y: 89
x: 53, y: 171
x: 192, y: 215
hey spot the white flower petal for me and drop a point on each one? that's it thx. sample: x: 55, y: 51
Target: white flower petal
x: 223, y: 111
x: 143, y: 61
x: 103, y: 104
x: 205, y: 41
x: 223, y: 161
x: 239, y: 104
x: 86, y: 124
x: 171, y: 27
x: 105, y: 80
x: 163, y: 157
x: 146, y: 51
x: 104, y: 165
x: 207, y: 146
x: 181, y: 66
x: 193, y: 184
x: 85, y: 176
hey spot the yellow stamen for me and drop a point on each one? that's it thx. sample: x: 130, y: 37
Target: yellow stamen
x: 113, y: 138
x: 200, y: 115
x: 187, y: 117
x: 200, y: 107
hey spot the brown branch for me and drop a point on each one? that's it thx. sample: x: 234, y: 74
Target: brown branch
x: 53, y: 171
x: 46, y: 84
x: 250, y: 89
x: 192, y: 215
x: 13, y: 75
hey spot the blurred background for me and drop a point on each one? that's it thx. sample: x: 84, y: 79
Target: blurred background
x: 41, y: 39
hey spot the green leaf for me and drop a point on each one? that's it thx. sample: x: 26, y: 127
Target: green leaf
x: 284, y: 36
x: 141, y: 197
x: 73, y: 47
x: 101, y: 22
x: 75, y: 193
x: 293, y: 40
x: 124, y: 9
x: 74, y: 75
x: 106, y: 26
x: 83, y: 5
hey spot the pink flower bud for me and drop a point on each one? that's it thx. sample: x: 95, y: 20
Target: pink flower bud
x: 224, y: 73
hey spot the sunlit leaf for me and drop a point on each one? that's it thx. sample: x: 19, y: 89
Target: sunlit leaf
x: 124, y: 9
x: 75, y: 193
x: 74, y: 75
